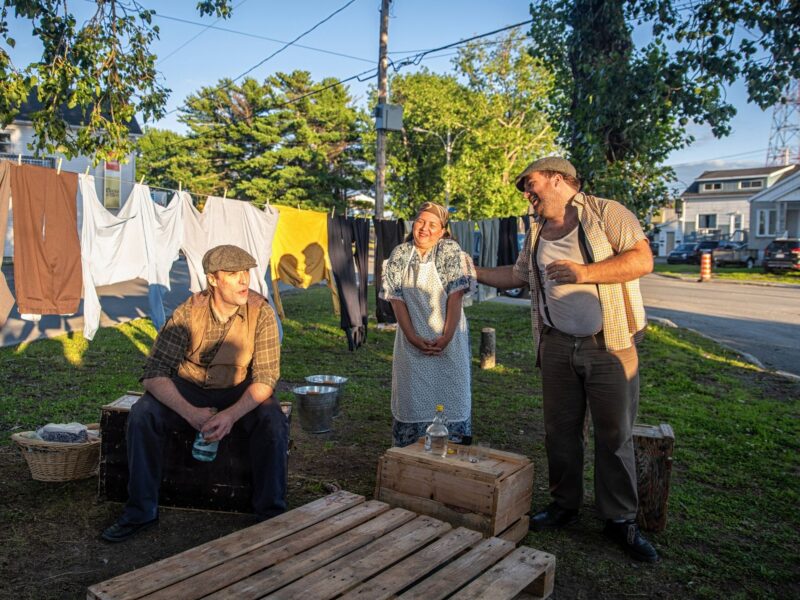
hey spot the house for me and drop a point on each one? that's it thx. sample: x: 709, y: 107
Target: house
x: 775, y: 212
x: 113, y: 180
x: 716, y: 205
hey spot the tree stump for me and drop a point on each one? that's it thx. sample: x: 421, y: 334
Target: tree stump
x: 653, y: 447
x: 488, y: 346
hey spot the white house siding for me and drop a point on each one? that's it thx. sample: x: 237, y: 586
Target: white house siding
x: 730, y: 213
x: 782, y: 202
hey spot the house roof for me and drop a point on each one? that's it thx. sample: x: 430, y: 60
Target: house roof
x: 693, y: 190
x: 738, y: 173
x: 72, y: 116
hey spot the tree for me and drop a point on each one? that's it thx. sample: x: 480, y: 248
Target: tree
x: 490, y: 114
x: 288, y: 140
x: 168, y: 159
x: 621, y: 110
x: 103, y: 66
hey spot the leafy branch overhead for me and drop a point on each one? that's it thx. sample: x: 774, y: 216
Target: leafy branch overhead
x: 622, y: 109
x: 103, y: 66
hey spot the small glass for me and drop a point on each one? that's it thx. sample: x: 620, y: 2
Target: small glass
x: 479, y: 452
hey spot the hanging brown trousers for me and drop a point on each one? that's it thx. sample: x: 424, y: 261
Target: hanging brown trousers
x: 6, y: 299
x: 47, y: 251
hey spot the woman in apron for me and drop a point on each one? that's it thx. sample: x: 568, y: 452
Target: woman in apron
x: 425, y: 279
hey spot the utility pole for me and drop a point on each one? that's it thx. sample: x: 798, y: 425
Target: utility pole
x: 383, y: 64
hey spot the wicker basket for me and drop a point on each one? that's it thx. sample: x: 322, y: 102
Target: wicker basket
x: 59, y: 461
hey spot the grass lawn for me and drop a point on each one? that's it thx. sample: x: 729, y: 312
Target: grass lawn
x: 737, y: 273
x: 733, y: 520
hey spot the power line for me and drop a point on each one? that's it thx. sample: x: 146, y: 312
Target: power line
x: 261, y: 37
x: 281, y: 49
x: 194, y: 37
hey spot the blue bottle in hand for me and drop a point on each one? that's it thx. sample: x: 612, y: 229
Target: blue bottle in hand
x: 203, y: 450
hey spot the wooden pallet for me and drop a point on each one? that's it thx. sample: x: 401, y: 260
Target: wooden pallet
x: 341, y: 546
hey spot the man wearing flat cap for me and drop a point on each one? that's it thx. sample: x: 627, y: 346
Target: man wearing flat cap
x: 212, y: 368
x: 583, y: 258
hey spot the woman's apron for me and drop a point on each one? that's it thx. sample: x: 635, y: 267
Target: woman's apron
x: 419, y: 381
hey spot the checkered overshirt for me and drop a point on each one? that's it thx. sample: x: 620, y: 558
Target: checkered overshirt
x: 610, y: 229
x: 172, y: 342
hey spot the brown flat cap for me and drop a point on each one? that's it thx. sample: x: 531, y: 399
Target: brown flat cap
x: 227, y: 258
x: 549, y: 163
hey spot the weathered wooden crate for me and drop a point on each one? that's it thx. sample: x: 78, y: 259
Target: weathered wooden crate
x: 653, y: 446
x: 222, y: 484
x: 492, y: 496
x: 343, y: 547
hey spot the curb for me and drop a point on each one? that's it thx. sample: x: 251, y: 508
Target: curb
x: 747, y: 357
x: 734, y: 281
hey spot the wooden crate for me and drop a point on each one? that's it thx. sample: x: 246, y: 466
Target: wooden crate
x: 343, y: 547
x: 653, y: 445
x: 222, y: 484
x: 492, y: 496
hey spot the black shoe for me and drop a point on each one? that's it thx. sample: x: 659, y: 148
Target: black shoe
x: 627, y: 535
x: 553, y: 517
x: 119, y: 532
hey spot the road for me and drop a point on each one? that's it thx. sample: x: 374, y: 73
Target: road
x: 763, y: 321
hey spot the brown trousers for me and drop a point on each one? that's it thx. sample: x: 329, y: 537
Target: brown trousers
x: 47, y: 251
x: 577, y: 372
x: 6, y: 298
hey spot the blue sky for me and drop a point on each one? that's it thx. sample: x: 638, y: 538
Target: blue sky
x: 192, y: 55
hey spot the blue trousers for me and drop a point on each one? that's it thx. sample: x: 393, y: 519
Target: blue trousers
x: 150, y: 422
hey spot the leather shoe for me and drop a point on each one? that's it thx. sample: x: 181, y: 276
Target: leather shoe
x: 119, y: 532
x: 553, y: 517
x: 628, y: 536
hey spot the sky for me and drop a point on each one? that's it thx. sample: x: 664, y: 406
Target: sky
x: 192, y: 54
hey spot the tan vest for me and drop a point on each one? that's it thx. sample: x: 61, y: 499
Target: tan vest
x: 230, y: 365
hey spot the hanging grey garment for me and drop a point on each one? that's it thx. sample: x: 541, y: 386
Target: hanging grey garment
x: 490, y: 237
x: 463, y: 233
x: 420, y: 382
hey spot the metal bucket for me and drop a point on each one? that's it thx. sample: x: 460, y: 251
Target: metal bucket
x: 333, y: 381
x: 315, y: 405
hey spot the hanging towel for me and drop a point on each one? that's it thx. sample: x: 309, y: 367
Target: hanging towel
x: 388, y: 235
x: 300, y: 252
x: 464, y: 233
x: 507, y: 247
x: 348, y: 244
x: 230, y: 221
x: 489, y: 229
x: 47, y: 252
x: 6, y: 298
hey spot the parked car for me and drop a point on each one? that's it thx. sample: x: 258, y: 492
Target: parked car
x: 689, y: 253
x: 782, y: 255
x: 734, y: 253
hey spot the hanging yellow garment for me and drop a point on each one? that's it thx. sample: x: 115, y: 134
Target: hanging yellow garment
x: 300, y: 252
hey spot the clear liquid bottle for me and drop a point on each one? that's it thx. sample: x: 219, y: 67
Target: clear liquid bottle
x: 436, y: 434
x: 203, y: 450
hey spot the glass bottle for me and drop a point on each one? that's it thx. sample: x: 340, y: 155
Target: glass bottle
x: 436, y: 434
x: 203, y: 450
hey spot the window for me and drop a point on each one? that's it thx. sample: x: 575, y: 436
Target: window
x: 5, y: 141
x: 751, y: 184
x: 766, y: 219
x: 737, y: 221
x: 706, y: 221
x: 712, y: 187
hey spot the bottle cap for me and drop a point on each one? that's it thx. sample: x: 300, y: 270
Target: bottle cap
x: 440, y: 407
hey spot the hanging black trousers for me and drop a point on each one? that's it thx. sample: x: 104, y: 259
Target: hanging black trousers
x: 388, y: 235
x: 348, y: 245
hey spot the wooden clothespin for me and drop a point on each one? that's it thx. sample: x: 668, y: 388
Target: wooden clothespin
x: 333, y: 211
x: 58, y: 168
x: 19, y: 159
x: 225, y: 194
x: 141, y: 180
x: 87, y: 169
x: 180, y: 187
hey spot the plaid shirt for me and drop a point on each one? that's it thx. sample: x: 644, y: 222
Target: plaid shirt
x: 172, y: 342
x: 610, y: 229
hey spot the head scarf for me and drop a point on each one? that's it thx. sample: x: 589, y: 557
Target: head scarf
x: 437, y: 209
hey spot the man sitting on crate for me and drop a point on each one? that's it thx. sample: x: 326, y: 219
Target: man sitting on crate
x: 212, y: 368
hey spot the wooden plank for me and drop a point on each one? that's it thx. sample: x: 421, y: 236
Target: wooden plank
x: 186, y: 564
x: 517, y: 531
x: 415, y: 566
x: 525, y: 569
x: 513, y: 498
x: 485, y: 470
x: 239, y: 568
x: 349, y: 571
x: 447, y: 487
x: 454, y: 576
x: 284, y: 573
x: 426, y: 506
